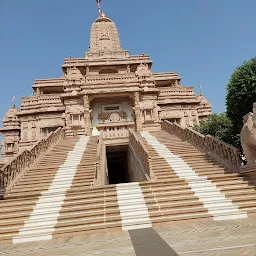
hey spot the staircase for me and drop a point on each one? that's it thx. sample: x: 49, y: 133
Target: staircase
x: 224, y: 194
x: 56, y: 197
x: 33, y: 208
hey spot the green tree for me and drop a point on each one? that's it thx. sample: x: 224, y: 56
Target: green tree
x: 241, y: 94
x: 218, y: 126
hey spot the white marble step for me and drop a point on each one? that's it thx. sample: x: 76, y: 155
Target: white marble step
x: 206, y: 186
x: 78, y: 151
x: 137, y: 201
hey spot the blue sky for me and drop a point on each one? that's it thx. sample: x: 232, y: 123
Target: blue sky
x: 204, y: 40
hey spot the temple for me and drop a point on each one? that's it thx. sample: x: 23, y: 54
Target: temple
x: 107, y: 90
x: 108, y: 147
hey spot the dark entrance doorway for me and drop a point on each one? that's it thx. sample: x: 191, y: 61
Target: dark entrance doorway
x: 117, y: 164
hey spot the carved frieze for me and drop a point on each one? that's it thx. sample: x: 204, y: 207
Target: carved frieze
x: 170, y: 114
x: 73, y: 101
x: 148, y: 105
x: 75, y: 109
x: 44, y: 123
x: 112, y: 117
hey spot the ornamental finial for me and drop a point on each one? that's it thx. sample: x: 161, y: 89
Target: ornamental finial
x: 99, y: 7
x: 201, y: 89
x: 13, y: 101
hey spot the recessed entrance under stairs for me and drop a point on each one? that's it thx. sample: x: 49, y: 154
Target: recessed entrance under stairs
x: 117, y: 160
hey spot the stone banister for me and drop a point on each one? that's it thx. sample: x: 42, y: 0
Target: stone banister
x: 101, y: 173
x: 223, y: 152
x: 12, y: 171
x: 142, y: 154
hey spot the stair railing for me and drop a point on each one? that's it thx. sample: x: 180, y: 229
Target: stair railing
x: 143, y: 156
x: 101, y: 173
x: 223, y: 152
x: 13, y: 170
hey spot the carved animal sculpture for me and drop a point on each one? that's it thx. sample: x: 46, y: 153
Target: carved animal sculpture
x: 248, y: 136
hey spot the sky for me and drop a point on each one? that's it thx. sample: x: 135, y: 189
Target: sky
x: 203, y: 40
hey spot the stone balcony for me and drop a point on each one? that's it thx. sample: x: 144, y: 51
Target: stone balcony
x: 44, y: 101
x: 181, y: 91
x: 116, y: 132
x: 113, y: 78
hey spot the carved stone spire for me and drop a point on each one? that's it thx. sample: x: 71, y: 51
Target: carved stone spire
x: 104, y: 38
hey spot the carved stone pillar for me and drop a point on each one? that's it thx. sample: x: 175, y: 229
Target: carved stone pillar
x: 155, y: 113
x: 87, y: 118
x: 137, y: 111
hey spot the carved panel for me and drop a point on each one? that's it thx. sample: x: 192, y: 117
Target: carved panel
x: 143, y: 71
x: 112, y: 117
x: 75, y: 109
x: 51, y: 123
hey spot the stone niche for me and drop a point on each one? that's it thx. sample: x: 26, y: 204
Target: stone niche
x: 106, y: 113
x: 149, y: 110
x: 74, y: 114
x: 10, y: 144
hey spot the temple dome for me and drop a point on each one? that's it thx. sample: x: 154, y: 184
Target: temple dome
x: 11, y: 114
x: 203, y: 100
x: 104, y: 39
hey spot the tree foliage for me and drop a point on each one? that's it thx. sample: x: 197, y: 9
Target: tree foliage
x: 241, y: 94
x: 218, y: 126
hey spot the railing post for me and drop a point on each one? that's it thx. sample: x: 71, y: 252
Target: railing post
x: 2, y: 189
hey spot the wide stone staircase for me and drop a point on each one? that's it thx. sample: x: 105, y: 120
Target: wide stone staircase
x: 57, y: 198
x: 216, y: 189
x: 34, y: 205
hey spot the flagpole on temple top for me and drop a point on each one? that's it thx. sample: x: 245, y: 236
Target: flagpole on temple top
x: 13, y: 101
x: 99, y: 7
x: 201, y: 89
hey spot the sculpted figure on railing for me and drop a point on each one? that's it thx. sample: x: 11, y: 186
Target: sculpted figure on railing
x: 248, y: 136
x: 10, y: 172
x: 222, y: 151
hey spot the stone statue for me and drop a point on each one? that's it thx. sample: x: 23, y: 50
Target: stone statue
x: 248, y: 136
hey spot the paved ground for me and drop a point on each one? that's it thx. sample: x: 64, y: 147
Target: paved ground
x: 203, y: 238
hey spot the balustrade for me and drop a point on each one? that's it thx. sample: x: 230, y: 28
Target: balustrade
x: 222, y: 151
x: 142, y: 154
x: 11, y: 172
x: 101, y: 172
x: 111, y: 77
x: 116, y: 130
x: 42, y: 100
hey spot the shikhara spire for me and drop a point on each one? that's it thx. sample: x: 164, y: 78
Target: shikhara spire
x: 104, y: 38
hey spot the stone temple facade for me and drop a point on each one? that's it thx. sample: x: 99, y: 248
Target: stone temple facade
x: 107, y: 90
